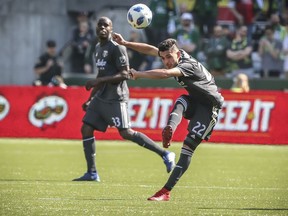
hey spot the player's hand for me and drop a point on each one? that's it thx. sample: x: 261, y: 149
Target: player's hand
x: 118, y: 38
x: 132, y: 74
x: 85, y: 105
x: 91, y: 83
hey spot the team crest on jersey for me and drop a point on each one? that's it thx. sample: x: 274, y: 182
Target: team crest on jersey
x: 122, y: 59
x: 105, y: 53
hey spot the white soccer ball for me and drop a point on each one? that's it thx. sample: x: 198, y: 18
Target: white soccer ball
x: 139, y: 16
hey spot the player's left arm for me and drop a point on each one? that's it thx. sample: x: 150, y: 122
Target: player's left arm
x: 156, y: 73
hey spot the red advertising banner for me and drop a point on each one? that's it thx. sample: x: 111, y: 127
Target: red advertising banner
x: 258, y: 117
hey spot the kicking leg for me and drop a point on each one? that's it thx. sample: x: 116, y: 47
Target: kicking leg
x: 144, y: 141
x: 174, y: 120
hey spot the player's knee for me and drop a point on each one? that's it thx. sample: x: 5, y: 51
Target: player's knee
x: 126, y: 134
x: 192, y: 143
x: 87, y: 131
x: 182, y: 100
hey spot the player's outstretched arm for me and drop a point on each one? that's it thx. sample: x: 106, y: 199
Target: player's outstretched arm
x: 155, y: 73
x: 137, y: 46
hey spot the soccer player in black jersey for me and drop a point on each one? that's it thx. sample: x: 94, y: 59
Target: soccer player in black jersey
x: 108, y: 101
x: 200, y: 106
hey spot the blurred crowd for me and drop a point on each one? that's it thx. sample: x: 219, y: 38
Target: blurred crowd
x: 230, y: 37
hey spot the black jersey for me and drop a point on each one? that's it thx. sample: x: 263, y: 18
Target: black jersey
x: 109, y: 60
x: 197, y: 81
x: 54, y: 70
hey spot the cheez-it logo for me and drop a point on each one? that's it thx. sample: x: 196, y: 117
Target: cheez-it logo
x: 4, y: 107
x: 245, y: 115
x: 149, y: 112
x: 47, y: 111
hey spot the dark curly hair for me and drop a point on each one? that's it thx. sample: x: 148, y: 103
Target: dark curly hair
x: 167, y: 44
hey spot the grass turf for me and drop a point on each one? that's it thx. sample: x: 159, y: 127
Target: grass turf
x: 36, y: 179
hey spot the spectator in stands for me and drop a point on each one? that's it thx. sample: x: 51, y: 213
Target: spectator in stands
x: 137, y: 60
x: 49, y: 68
x: 158, y: 29
x: 244, y: 13
x: 270, y: 51
x: 215, y: 52
x: 187, y: 35
x: 206, y: 13
x: 240, y: 83
x: 82, y: 36
x: 185, y: 6
x: 239, y: 54
x: 257, y: 34
x: 279, y: 30
x: 265, y: 8
x: 88, y: 57
x: 228, y: 33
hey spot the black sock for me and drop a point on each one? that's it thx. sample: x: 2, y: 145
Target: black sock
x: 89, y: 151
x: 176, y: 114
x: 180, y: 168
x: 144, y: 141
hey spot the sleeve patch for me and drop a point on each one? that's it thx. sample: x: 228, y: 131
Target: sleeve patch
x: 122, y: 59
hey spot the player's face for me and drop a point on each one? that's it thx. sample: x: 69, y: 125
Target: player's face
x: 169, y: 58
x: 104, y: 28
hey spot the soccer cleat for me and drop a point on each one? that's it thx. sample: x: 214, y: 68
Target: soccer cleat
x: 167, y: 134
x: 89, y: 177
x: 169, y: 161
x: 162, y: 195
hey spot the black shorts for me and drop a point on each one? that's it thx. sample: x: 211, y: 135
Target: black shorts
x: 202, y: 118
x: 100, y: 115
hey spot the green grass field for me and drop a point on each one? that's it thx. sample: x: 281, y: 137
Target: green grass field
x: 243, y: 180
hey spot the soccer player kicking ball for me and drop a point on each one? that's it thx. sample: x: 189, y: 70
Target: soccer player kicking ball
x: 108, y: 102
x: 200, y: 106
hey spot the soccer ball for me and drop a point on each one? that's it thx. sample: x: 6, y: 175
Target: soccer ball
x: 139, y: 16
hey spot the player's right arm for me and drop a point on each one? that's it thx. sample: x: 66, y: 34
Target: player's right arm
x: 155, y: 73
x: 137, y: 46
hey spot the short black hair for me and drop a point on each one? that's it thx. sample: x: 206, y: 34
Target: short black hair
x: 51, y: 43
x: 166, y: 45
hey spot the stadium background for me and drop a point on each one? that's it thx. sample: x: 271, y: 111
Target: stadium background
x: 36, y: 174
x: 27, y: 24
